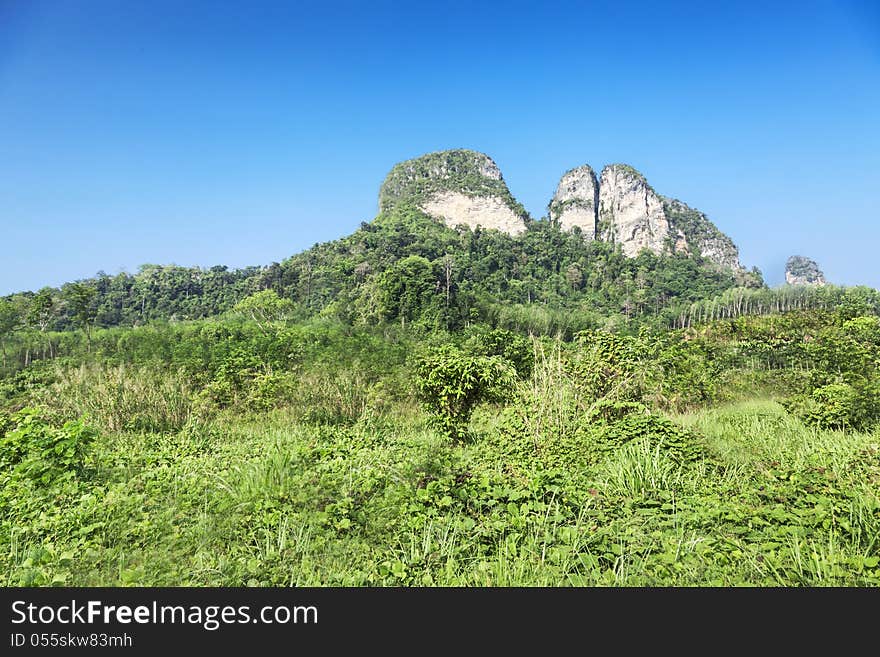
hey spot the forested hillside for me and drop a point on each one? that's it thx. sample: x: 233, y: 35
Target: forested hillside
x: 402, y: 267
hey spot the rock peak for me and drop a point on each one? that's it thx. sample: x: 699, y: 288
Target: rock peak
x: 576, y: 201
x: 630, y: 211
x: 800, y: 270
x: 458, y: 186
x: 621, y: 206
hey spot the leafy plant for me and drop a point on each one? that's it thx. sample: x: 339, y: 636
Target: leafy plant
x: 451, y: 383
x: 264, y: 307
x: 507, y: 344
x: 32, y: 448
x: 837, y: 406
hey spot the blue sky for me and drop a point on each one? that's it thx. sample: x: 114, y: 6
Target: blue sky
x: 207, y: 133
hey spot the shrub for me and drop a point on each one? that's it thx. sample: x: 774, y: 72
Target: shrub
x: 607, y: 365
x: 32, y: 448
x: 837, y: 406
x: 510, y: 346
x: 264, y: 307
x: 451, y: 383
x: 679, y: 443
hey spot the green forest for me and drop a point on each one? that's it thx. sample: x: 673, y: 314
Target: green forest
x: 425, y: 406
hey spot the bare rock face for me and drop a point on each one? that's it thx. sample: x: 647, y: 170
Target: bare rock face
x: 455, y: 187
x: 700, y: 236
x: 622, y: 207
x: 630, y: 211
x: 576, y: 201
x: 455, y: 208
x: 803, y: 271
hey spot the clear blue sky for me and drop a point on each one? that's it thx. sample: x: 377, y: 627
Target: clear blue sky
x: 240, y: 133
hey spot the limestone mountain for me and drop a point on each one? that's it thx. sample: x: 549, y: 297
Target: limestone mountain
x: 455, y: 187
x: 622, y: 207
x: 701, y: 236
x: 576, y: 201
x: 462, y: 186
x: 800, y: 270
x: 631, y: 212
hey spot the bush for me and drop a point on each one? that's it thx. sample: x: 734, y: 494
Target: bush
x: 451, y: 383
x: 606, y: 365
x: 679, y: 443
x: 32, y: 448
x: 510, y: 346
x: 837, y: 406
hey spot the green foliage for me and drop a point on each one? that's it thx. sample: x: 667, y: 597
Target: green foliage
x: 81, y: 299
x: 119, y: 398
x: 12, y: 313
x: 451, y: 383
x: 512, y: 347
x: 42, y: 308
x: 403, y: 268
x: 281, y: 444
x: 838, y: 406
x: 847, y: 302
x: 658, y: 432
x: 407, y: 291
x: 33, y: 449
x: 606, y: 366
x: 264, y: 306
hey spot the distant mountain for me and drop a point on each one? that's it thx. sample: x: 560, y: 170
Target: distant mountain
x: 451, y: 245
x: 800, y: 270
x: 455, y: 187
x: 464, y: 187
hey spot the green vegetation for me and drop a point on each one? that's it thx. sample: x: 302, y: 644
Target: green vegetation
x: 403, y: 267
x: 422, y: 406
x: 413, y: 182
x: 275, y: 451
x: 451, y: 384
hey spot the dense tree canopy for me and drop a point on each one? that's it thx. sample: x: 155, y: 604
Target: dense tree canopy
x: 407, y: 268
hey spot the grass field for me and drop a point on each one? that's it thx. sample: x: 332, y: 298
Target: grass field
x: 753, y: 498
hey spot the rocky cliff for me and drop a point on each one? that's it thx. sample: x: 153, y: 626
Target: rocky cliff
x: 576, y: 201
x: 631, y: 212
x: 803, y: 271
x: 701, y: 236
x: 622, y: 207
x: 466, y: 187
x: 455, y: 187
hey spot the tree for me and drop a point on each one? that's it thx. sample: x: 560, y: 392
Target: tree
x: 264, y: 307
x: 81, y: 297
x: 42, y: 311
x: 408, y: 290
x: 10, y: 320
x: 451, y: 384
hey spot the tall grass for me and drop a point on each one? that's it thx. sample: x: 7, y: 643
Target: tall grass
x: 121, y: 397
